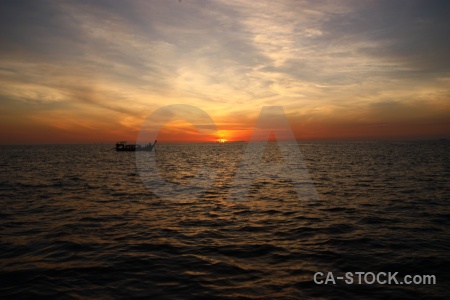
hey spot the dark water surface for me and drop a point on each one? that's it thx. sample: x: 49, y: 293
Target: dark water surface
x: 76, y: 221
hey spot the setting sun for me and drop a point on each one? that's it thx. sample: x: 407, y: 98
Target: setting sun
x: 228, y: 58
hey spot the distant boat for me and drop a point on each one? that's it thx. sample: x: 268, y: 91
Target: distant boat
x: 123, y: 146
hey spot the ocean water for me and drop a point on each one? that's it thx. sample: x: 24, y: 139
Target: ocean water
x: 77, y: 222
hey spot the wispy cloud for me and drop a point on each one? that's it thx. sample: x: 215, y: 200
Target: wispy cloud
x: 346, y: 62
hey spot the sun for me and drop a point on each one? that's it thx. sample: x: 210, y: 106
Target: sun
x: 223, y: 136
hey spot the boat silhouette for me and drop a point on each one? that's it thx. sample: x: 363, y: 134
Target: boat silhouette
x: 123, y: 146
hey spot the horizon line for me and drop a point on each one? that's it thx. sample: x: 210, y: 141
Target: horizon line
x: 337, y: 140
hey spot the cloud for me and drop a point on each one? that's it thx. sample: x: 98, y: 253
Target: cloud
x: 321, y: 60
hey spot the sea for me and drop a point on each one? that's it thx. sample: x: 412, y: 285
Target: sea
x: 83, y: 222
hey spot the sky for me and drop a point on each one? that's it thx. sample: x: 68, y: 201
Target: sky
x: 94, y: 71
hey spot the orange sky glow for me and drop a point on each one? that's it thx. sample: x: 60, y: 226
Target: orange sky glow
x: 88, y: 72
